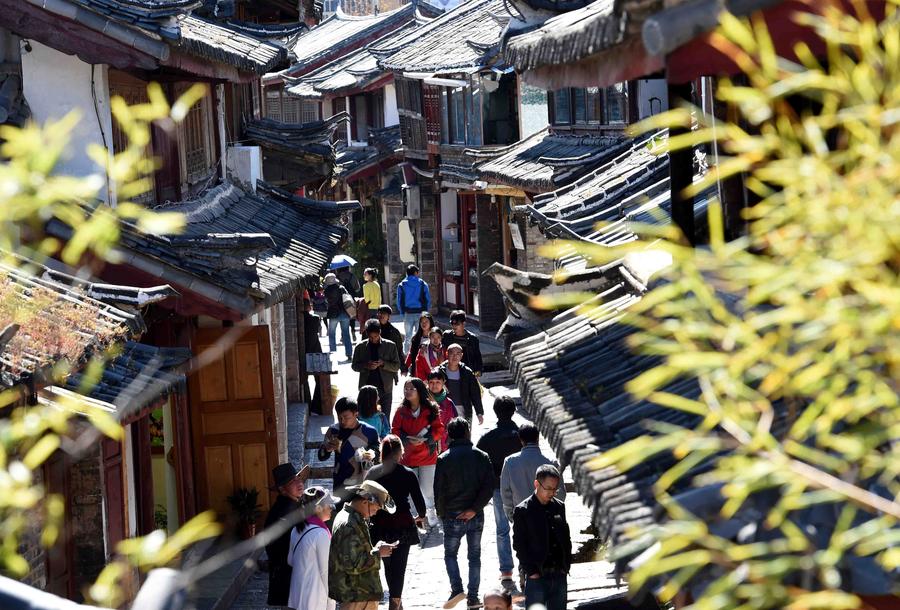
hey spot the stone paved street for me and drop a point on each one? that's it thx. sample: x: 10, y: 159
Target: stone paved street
x: 427, y: 584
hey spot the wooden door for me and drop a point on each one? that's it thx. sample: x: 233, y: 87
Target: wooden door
x: 113, y: 486
x: 233, y: 417
x: 59, y: 556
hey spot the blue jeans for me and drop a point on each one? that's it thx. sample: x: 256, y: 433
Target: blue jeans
x: 550, y: 590
x: 454, y: 530
x: 410, y: 326
x: 504, y: 546
x: 344, y: 321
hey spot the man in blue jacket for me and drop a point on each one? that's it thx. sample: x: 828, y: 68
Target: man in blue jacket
x: 413, y: 298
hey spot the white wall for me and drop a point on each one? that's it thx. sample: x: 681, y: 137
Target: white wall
x: 391, y: 115
x: 55, y: 84
x: 648, y: 89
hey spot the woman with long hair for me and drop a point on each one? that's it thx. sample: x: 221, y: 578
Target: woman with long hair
x: 418, y: 424
x: 426, y: 323
x: 308, y: 555
x: 431, y: 354
x: 400, y: 527
x: 370, y: 410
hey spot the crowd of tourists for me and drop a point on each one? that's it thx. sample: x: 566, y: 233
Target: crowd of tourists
x: 400, y: 478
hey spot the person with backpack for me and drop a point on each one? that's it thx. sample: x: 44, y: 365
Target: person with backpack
x: 310, y: 545
x: 413, y: 298
x: 337, y: 314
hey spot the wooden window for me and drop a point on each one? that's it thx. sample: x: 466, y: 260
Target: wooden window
x: 273, y: 104
x: 133, y: 91
x: 290, y: 110
x: 376, y: 112
x: 197, y: 143
x: 456, y: 115
x: 590, y: 106
x: 309, y: 111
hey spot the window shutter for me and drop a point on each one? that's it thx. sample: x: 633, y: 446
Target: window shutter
x: 432, y: 95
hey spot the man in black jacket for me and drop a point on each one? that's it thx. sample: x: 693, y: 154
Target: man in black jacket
x: 462, y: 386
x: 463, y: 485
x: 542, y: 542
x: 312, y: 324
x: 391, y: 333
x: 290, y: 483
x: 465, y: 339
x: 500, y: 443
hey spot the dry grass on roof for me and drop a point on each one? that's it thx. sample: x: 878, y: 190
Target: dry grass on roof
x: 53, y: 326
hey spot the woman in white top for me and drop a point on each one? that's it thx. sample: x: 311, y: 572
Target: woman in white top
x: 308, y: 555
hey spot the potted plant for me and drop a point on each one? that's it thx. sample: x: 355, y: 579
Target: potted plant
x: 244, y: 503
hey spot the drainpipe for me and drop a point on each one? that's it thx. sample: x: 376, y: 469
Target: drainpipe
x: 220, y: 113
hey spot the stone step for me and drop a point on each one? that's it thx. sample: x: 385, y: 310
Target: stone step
x: 497, y: 378
x: 319, y: 469
x: 315, y: 430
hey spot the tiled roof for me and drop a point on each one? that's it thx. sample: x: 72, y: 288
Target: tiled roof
x: 350, y: 72
x: 464, y: 39
x: 226, y: 44
x: 341, y: 32
x: 269, y: 31
x: 383, y: 144
x: 545, y: 161
x: 631, y: 188
x: 564, y: 38
x: 310, y: 141
x: 56, y: 321
x: 150, y: 15
x: 135, y: 378
x: 239, y: 249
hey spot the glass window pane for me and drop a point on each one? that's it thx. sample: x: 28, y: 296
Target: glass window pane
x: 616, y: 100
x: 562, y: 106
x: 594, y: 105
x: 580, y: 104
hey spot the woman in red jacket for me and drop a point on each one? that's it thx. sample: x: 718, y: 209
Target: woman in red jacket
x: 418, y: 424
x: 430, y: 355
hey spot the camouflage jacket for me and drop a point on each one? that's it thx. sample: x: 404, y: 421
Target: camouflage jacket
x: 353, y: 571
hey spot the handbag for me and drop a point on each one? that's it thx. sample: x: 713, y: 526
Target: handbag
x: 349, y: 304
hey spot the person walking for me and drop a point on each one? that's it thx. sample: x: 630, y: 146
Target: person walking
x: 289, y: 483
x: 418, y: 424
x: 390, y: 332
x: 517, y: 474
x: 354, y: 444
x: 312, y: 325
x: 462, y: 385
x: 413, y: 298
x: 463, y: 485
x: 467, y: 340
x: 400, y: 527
x: 354, y: 569
x: 426, y: 323
x: 429, y: 355
x: 377, y: 362
x: 371, y: 290
x: 500, y: 443
x: 438, y: 390
x: 542, y: 542
x: 337, y: 315
x: 310, y: 546
x: 370, y: 410
x: 351, y: 284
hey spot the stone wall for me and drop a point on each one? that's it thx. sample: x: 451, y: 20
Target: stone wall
x: 293, y: 380
x: 396, y: 268
x: 530, y: 260
x: 491, y: 309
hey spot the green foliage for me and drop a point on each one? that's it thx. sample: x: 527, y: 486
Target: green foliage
x: 792, y: 331
x: 31, y: 194
x: 368, y: 245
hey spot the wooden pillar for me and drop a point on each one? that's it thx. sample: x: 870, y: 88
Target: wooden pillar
x: 681, y: 168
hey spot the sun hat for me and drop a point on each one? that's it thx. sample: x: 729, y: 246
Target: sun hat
x: 318, y: 496
x: 330, y: 279
x: 374, y: 492
x: 287, y: 472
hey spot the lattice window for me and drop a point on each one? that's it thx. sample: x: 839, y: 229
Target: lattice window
x: 290, y: 110
x: 273, y: 105
x: 133, y: 92
x: 197, y: 142
x: 309, y: 111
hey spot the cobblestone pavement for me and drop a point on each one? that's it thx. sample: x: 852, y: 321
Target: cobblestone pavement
x: 427, y: 585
